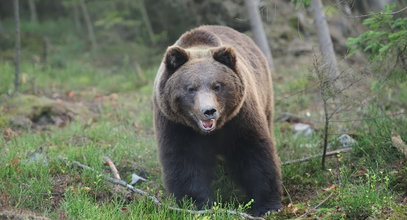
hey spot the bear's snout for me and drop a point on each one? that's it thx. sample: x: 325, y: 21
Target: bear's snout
x: 206, y: 106
x: 209, y: 112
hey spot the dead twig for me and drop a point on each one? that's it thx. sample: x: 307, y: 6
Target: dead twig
x: 110, y: 163
x: 323, y: 201
x: 156, y: 201
x: 317, y: 206
x: 330, y: 153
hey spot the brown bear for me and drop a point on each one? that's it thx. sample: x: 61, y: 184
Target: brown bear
x: 213, y: 97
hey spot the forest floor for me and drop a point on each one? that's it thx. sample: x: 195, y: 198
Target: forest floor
x: 75, y: 109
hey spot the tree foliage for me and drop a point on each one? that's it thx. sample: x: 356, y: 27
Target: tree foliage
x: 386, y: 37
x: 301, y: 3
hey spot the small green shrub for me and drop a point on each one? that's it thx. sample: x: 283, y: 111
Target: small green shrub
x: 367, y: 196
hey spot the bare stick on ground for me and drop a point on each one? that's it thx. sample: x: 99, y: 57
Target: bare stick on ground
x: 113, y: 168
x: 317, y: 206
x: 156, y: 201
x: 327, y: 154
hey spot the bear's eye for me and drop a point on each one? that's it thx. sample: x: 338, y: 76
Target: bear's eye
x: 217, y: 87
x: 191, y: 89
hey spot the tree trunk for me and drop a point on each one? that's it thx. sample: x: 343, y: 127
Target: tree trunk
x: 18, y: 42
x: 33, y: 11
x: 372, y: 6
x: 326, y: 130
x: 325, y: 41
x: 89, y: 25
x: 1, y: 26
x: 146, y: 20
x: 76, y: 18
x: 45, y: 49
x: 258, y: 30
x: 379, y: 4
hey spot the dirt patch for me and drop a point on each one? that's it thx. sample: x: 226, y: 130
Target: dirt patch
x: 300, y: 193
x: 29, y: 111
x: 20, y: 214
x: 60, y: 183
x: 4, y: 199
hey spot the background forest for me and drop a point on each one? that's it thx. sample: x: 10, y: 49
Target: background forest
x: 76, y: 84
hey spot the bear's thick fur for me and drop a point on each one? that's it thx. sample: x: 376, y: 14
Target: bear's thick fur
x: 213, y: 96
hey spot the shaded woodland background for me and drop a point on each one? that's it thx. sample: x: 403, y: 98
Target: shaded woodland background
x: 85, y: 75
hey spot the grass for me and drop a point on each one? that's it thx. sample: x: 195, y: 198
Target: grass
x: 369, y: 182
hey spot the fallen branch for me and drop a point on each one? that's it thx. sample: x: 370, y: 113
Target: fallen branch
x: 156, y: 201
x: 292, y: 118
x: 399, y: 144
x: 109, y: 162
x: 331, y: 153
x: 317, y: 206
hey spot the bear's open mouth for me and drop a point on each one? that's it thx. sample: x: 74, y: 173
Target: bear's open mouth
x: 207, y: 125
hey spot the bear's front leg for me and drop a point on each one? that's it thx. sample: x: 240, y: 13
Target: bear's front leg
x: 188, y: 174
x: 255, y: 167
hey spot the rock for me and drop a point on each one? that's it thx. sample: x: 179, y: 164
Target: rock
x: 303, y: 129
x: 8, y: 133
x: 308, y: 145
x: 398, y: 143
x: 37, y: 157
x: 346, y: 141
x: 135, y: 178
x: 20, y: 122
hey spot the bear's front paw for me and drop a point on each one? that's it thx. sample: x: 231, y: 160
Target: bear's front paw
x: 203, y: 204
x: 266, y: 210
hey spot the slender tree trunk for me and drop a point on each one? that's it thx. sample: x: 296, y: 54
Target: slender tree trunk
x: 146, y: 20
x: 364, y: 6
x: 45, y: 49
x: 18, y: 42
x: 33, y: 11
x: 326, y: 130
x: 325, y: 41
x: 89, y: 26
x: 324, y: 86
x: 76, y: 18
x: 258, y: 30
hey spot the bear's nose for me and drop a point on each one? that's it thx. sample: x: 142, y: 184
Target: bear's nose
x: 209, y: 112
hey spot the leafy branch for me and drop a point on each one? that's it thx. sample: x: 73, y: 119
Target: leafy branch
x: 386, y: 37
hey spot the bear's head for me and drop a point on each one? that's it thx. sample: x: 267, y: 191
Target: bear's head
x: 200, y: 87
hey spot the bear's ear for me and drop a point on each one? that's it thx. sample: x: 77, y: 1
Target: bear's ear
x: 175, y: 57
x: 226, y: 56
